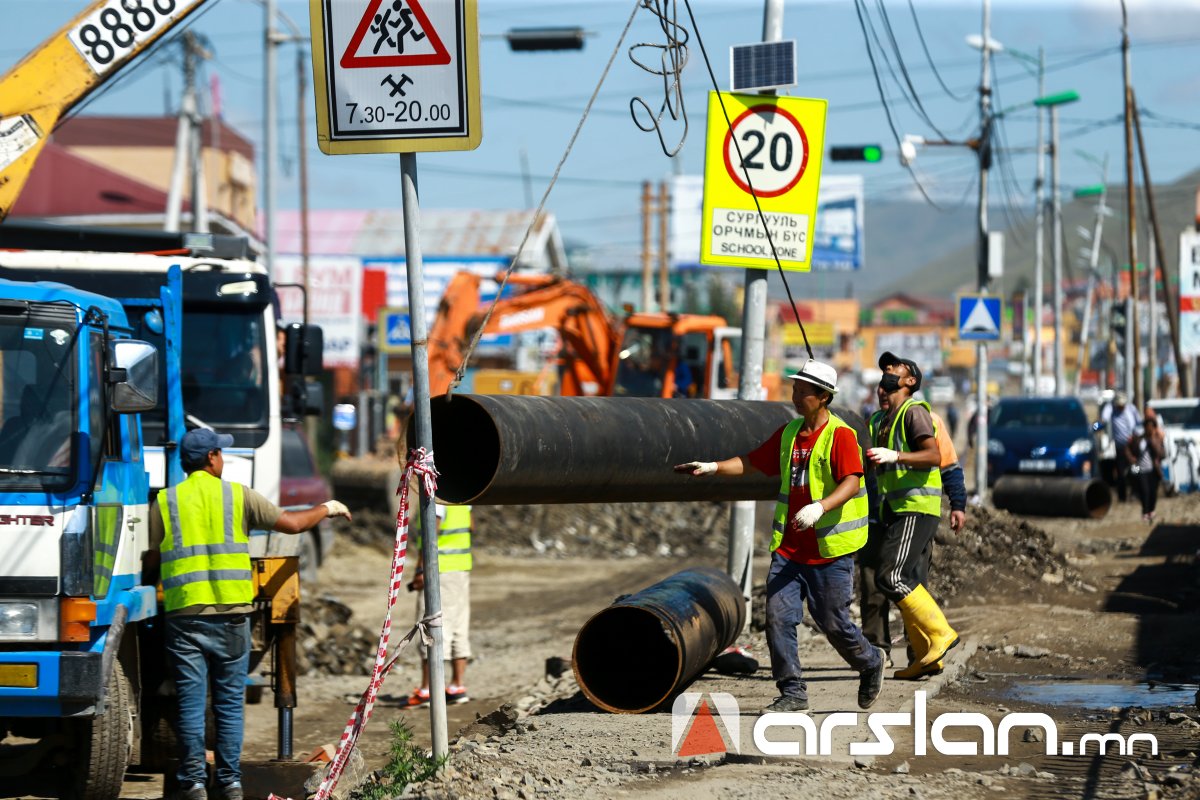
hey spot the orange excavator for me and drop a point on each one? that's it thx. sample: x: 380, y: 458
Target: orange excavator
x: 648, y: 354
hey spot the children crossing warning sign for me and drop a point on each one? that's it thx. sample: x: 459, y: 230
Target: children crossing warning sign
x: 396, y: 35
x: 396, y: 75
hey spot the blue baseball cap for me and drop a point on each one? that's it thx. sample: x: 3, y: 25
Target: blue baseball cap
x: 199, y: 442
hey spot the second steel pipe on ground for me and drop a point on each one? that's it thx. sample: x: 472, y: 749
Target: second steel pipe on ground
x: 1052, y: 496
x: 499, y: 449
x: 639, y: 652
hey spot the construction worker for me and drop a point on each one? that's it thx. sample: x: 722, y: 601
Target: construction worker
x: 907, y: 456
x: 199, y: 542
x: 454, y: 575
x: 820, y: 521
x: 872, y: 602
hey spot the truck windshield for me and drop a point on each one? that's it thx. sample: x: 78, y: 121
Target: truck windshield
x: 643, y: 361
x: 37, y: 398
x: 224, y: 374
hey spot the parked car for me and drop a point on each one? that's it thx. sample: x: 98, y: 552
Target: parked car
x: 1040, y: 436
x: 301, y: 486
x: 940, y: 390
x: 1180, y: 421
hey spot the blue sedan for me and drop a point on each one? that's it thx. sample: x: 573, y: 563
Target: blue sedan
x: 1039, y: 436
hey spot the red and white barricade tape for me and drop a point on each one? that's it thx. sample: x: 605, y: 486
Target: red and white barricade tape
x: 421, y: 463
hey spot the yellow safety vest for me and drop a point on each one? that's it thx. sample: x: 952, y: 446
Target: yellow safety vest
x: 907, y: 490
x: 840, y: 531
x: 205, y: 549
x: 454, y: 539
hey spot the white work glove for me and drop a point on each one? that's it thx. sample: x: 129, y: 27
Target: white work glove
x: 336, y: 508
x: 808, y: 516
x: 698, y: 468
x: 882, y: 455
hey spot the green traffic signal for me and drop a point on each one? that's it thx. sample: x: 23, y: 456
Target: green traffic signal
x: 871, y: 153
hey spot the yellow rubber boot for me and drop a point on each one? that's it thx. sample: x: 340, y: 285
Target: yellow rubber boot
x: 931, y: 622
x: 919, y: 644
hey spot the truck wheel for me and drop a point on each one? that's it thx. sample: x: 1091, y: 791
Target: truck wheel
x: 159, y: 745
x: 104, y: 743
x: 309, y: 560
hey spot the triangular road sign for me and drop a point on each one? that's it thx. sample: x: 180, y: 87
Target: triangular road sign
x: 401, y: 25
x: 980, y: 320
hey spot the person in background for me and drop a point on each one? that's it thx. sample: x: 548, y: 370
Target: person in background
x: 1145, y: 454
x: 1122, y: 420
x: 820, y: 521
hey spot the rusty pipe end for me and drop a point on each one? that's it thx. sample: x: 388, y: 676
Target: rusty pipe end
x: 627, y: 659
x: 1097, y: 497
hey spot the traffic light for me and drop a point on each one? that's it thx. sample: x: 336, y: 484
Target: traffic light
x: 872, y: 153
x: 1120, y: 324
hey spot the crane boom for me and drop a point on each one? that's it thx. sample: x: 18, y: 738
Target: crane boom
x: 63, y: 70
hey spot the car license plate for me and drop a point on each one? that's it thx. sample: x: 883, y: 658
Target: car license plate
x: 1037, y: 465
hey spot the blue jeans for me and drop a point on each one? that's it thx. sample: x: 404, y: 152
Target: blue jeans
x: 202, y: 650
x: 828, y: 588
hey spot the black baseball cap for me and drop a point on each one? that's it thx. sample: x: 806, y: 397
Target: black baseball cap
x: 889, y: 358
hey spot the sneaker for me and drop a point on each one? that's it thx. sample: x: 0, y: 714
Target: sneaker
x: 870, y: 682
x: 788, y: 703
x: 456, y: 694
x: 232, y: 792
x: 196, y: 792
x: 418, y: 699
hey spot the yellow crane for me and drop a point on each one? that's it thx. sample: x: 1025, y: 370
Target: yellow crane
x: 63, y: 70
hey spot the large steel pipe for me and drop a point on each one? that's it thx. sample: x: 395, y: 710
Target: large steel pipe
x: 1052, y: 496
x: 639, y: 652
x: 499, y: 449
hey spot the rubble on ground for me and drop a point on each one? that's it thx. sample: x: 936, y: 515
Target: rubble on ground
x: 329, y: 643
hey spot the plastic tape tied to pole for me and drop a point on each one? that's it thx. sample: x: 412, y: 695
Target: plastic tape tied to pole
x: 421, y: 464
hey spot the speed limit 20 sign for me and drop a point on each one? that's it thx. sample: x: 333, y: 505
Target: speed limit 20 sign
x: 770, y: 150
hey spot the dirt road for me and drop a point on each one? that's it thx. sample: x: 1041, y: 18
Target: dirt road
x: 1099, y: 634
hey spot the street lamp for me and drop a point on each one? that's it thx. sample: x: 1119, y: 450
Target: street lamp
x: 1053, y: 101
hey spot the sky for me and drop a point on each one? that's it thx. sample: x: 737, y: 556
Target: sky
x: 533, y: 102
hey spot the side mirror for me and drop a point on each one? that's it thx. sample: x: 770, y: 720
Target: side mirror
x: 133, y: 376
x: 303, y: 399
x: 304, y: 347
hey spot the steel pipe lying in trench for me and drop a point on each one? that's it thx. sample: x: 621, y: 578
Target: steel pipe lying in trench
x: 1052, y: 496
x: 500, y: 449
x: 645, y: 648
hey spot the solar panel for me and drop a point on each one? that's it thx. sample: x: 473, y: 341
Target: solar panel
x: 764, y: 65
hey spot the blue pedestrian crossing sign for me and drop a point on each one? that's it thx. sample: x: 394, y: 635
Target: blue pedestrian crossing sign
x: 979, y: 318
x: 395, y: 331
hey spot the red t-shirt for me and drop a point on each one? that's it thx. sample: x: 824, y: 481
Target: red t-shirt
x: 845, y: 459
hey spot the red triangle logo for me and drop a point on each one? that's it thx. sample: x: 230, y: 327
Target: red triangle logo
x: 703, y: 738
x: 392, y: 28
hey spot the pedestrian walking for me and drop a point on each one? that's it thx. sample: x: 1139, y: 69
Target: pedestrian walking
x: 1122, y: 420
x: 1145, y: 454
x: 820, y: 521
x: 907, y: 456
x: 199, y: 545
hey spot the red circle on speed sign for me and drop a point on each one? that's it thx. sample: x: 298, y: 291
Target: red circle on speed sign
x: 774, y: 147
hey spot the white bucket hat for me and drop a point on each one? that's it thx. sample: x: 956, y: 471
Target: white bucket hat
x: 818, y: 373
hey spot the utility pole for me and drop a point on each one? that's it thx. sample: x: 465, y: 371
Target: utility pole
x: 1131, y: 211
x: 1039, y: 267
x: 985, y: 157
x: 1152, y: 302
x: 1102, y: 211
x: 647, y: 244
x: 1056, y: 231
x: 270, y: 79
x: 302, y: 140
x: 188, y: 144
x: 754, y: 332
x: 664, y: 251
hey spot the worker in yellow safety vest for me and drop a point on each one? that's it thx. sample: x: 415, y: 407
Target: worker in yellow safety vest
x: 908, y: 459
x: 199, y: 544
x: 820, y: 521
x: 454, y: 576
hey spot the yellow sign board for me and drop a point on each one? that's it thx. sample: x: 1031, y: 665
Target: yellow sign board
x: 819, y: 334
x: 771, y: 149
x: 391, y: 78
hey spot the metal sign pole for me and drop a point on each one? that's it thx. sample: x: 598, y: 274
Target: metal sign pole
x: 424, y: 428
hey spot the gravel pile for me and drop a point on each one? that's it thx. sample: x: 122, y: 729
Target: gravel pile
x: 329, y: 643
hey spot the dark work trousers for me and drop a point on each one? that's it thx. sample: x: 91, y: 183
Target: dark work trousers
x: 905, y: 553
x: 1146, y: 482
x: 1123, y: 466
x: 873, y: 603
x: 828, y: 590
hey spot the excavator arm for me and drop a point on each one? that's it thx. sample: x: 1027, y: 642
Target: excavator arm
x: 589, y: 336
x: 62, y: 71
